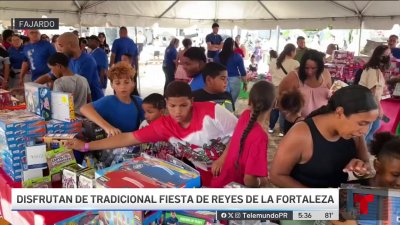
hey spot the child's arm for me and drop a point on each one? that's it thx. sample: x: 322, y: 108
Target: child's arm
x: 256, y: 182
x: 217, y: 164
x: 118, y: 141
x: 90, y: 112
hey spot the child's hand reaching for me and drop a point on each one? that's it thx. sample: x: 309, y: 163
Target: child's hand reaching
x: 217, y: 166
x: 75, y: 144
x: 112, y: 131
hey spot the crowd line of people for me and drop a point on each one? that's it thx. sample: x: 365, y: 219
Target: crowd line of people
x: 327, y: 135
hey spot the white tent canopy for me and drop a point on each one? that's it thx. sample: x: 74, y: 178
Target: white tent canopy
x: 182, y: 14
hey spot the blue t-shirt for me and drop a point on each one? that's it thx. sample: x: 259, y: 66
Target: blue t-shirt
x: 197, y: 82
x: 234, y: 66
x: 396, y: 52
x: 17, y: 57
x: 124, y: 45
x: 101, y: 59
x: 214, y: 39
x: 118, y: 114
x: 169, y: 57
x: 86, y: 66
x: 37, y: 55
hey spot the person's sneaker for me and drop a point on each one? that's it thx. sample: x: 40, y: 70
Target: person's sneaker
x: 280, y: 135
x: 270, y: 131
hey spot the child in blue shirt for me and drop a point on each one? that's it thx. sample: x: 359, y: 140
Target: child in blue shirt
x: 121, y: 112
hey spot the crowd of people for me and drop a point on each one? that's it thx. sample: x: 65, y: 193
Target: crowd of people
x: 327, y: 135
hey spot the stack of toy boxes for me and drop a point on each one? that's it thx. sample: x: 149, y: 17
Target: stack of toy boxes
x: 61, y: 127
x: 148, y: 172
x: 38, y: 99
x: 18, y: 129
x: 344, y: 62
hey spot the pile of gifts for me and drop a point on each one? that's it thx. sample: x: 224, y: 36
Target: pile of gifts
x: 140, y: 172
x: 343, y: 66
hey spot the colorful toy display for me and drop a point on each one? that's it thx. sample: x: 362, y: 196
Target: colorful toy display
x: 167, y: 174
x: 58, y: 159
x: 38, y: 99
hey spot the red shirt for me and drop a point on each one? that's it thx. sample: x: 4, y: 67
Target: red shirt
x: 239, y: 51
x: 203, y: 141
x: 253, y: 160
x: 6, y: 44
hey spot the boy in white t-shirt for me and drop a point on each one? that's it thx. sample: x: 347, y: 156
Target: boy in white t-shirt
x: 69, y: 82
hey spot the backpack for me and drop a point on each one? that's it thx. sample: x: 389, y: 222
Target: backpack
x: 357, y: 76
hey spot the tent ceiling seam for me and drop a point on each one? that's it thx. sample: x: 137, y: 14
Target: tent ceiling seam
x: 344, y: 7
x: 366, y: 7
x: 268, y: 11
x: 167, y: 10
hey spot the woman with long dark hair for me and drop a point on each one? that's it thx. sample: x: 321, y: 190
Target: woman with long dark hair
x: 169, y: 63
x: 372, y: 78
x: 311, y: 80
x: 235, y: 66
x: 103, y: 42
x: 320, y: 151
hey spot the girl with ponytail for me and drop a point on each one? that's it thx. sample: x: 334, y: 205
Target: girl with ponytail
x: 320, y: 151
x: 245, y: 161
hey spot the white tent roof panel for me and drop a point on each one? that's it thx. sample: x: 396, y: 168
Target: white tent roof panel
x: 245, y: 14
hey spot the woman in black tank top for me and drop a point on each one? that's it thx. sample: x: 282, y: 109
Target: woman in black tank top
x: 320, y: 151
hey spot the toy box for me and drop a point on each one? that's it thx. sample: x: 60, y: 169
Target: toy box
x: 55, y: 141
x: 32, y: 174
x: 191, y: 217
x: 174, y: 173
x: 40, y: 182
x: 63, y: 106
x: 121, y: 217
x: 58, y: 159
x: 38, y: 99
x: 86, y: 179
x: 70, y: 175
x: 126, y: 179
x: 20, y: 120
x: 61, y: 127
x: 92, y: 131
x: 85, y: 218
x: 36, y: 157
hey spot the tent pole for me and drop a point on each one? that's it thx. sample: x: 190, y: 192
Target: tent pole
x: 359, y: 37
x: 138, y: 71
x: 278, y: 35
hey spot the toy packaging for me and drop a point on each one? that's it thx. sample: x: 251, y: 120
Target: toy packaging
x: 85, y: 218
x: 38, y: 99
x: 86, y: 179
x: 36, y: 157
x: 70, y: 175
x: 32, y: 174
x: 191, y: 217
x: 63, y: 106
x: 58, y: 159
x: 40, y: 182
x: 92, y: 131
x: 61, y: 127
x: 121, y: 217
x: 55, y: 141
x: 126, y: 179
x: 167, y: 174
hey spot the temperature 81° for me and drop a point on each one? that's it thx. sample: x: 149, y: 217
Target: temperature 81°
x: 328, y: 215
